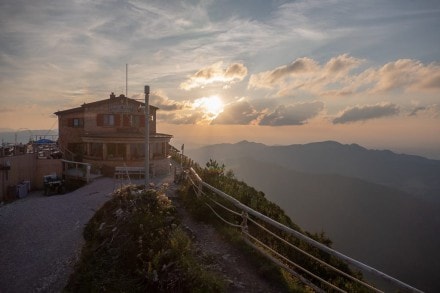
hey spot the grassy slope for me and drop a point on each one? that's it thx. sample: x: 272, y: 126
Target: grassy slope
x: 134, y: 244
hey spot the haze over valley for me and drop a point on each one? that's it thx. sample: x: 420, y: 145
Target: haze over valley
x: 285, y: 73
x: 379, y: 207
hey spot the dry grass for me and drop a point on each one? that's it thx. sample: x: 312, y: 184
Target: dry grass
x: 134, y: 244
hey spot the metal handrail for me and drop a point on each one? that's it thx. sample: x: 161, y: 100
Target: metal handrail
x: 303, y: 237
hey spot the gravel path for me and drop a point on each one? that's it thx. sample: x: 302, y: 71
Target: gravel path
x: 41, y: 237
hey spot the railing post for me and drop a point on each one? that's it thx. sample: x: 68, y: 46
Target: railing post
x: 244, y: 225
x: 199, y: 191
x: 88, y: 167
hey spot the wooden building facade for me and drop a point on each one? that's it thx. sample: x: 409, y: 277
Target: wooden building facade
x: 111, y: 133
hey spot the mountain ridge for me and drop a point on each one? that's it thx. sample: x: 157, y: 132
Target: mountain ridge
x: 384, y: 224
x: 414, y: 174
x: 373, y: 223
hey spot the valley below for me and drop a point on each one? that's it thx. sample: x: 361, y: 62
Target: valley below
x: 374, y: 216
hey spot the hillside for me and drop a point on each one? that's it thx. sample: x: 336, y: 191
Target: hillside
x: 413, y: 174
x: 380, y: 225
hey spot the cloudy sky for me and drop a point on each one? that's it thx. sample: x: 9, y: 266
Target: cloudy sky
x: 271, y: 71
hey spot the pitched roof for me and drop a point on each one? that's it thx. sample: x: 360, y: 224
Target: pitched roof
x: 112, y: 98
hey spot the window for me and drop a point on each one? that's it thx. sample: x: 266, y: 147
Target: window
x: 136, y: 121
x: 116, y: 150
x: 158, y: 150
x: 109, y: 120
x: 137, y: 151
x: 78, y: 122
x: 75, y: 122
x: 96, y: 150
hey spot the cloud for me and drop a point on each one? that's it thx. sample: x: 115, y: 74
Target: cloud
x: 272, y: 78
x: 398, y: 74
x: 336, y: 77
x: 194, y: 117
x: 341, y: 64
x: 302, y: 65
x: 363, y: 113
x: 243, y: 112
x: 407, y: 74
x: 215, y: 74
x: 161, y: 101
x: 297, y: 114
x: 404, y: 75
x: 431, y: 82
x: 240, y: 112
x: 236, y: 71
x: 416, y: 110
x: 7, y: 110
x: 431, y: 111
x: 306, y: 74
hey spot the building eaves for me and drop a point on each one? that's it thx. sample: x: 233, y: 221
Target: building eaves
x: 101, y: 102
x: 68, y: 111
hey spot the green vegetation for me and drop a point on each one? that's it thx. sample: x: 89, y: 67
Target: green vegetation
x: 216, y: 175
x: 134, y: 244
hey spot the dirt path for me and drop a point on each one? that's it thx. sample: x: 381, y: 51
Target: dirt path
x: 228, y: 261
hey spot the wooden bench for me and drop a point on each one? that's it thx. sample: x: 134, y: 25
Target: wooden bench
x: 122, y: 172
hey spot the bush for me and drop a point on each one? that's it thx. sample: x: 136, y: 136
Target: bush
x: 134, y: 244
x: 215, y: 175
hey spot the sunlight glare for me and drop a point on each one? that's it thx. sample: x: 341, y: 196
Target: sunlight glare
x: 211, y: 105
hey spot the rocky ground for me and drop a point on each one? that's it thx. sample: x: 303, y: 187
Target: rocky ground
x: 41, y: 239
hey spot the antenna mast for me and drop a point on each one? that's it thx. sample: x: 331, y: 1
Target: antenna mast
x: 126, y: 80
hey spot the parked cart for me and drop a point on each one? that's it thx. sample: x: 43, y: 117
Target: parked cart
x: 53, y: 184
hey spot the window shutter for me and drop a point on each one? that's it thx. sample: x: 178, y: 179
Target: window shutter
x: 100, y: 120
x: 69, y: 122
x: 142, y: 121
x: 117, y: 120
x: 126, y: 120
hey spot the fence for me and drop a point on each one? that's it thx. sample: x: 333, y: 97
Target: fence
x: 251, y: 217
x: 76, y: 170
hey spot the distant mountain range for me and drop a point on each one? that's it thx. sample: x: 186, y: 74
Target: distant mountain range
x: 379, y: 207
x: 24, y: 135
x: 413, y: 174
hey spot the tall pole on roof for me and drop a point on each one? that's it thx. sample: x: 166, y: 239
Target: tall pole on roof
x: 147, y: 136
x: 126, y: 80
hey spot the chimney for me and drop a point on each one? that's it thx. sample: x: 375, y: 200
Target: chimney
x: 112, y: 95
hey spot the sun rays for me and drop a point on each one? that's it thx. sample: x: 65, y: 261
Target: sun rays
x: 212, y: 106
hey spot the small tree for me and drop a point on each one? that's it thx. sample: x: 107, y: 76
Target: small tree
x: 213, y: 172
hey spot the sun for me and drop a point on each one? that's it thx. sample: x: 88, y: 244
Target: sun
x: 211, y: 105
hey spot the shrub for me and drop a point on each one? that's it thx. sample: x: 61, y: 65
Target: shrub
x: 134, y: 244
